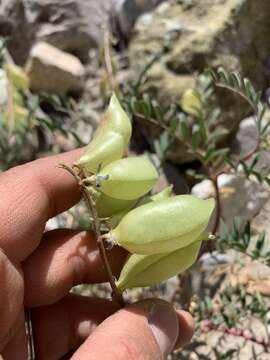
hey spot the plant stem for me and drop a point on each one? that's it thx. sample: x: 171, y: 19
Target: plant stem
x: 251, y: 153
x: 116, y: 294
x: 218, y: 205
x: 238, y: 92
x: 197, y: 153
x: 208, y: 326
x: 108, y: 61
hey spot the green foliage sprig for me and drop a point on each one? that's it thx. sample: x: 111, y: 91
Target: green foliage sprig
x: 233, y: 306
x: 240, y: 238
x: 227, y: 312
x: 243, y: 87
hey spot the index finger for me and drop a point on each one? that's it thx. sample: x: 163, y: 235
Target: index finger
x: 31, y: 194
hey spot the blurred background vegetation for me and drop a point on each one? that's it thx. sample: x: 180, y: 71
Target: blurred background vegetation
x: 194, y: 77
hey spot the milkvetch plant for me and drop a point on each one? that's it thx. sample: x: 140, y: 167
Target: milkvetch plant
x: 198, y: 123
x: 162, y: 233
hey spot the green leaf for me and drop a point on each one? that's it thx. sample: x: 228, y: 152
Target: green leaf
x: 250, y: 89
x: 236, y: 80
x: 247, y: 234
x: 223, y: 75
x: 158, y: 113
x: 173, y: 124
x: 184, y: 130
x: 196, y: 175
x: 135, y: 107
x: 260, y: 242
x: 146, y: 108
x: 213, y: 116
x: 196, y: 137
x: 217, y: 135
x: 214, y: 155
x: 254, y: 161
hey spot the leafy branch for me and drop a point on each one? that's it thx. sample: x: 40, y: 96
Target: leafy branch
x: 243, y: 87
x: 194, y: 123
x: 228, y: 310
x: 240, y: 238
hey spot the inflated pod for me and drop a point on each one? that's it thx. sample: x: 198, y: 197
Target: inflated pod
x: 110, y: 138
x: 103, y: 150
x: 163, y: 226
x: 128, y: 178
x: 164, y: 194
x: 148, y: 270
x: 17, y: 76
x: 117, y: 120
x: 107, y: 206
x: 191, y: 102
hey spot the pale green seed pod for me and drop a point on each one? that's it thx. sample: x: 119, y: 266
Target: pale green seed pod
x: 128, y: 178
x: 191, y: 102
x: 107, y: 206
x: 17, y: 76
x: 163, y: 226
x: 164, y: 194
x: 110, y: 139
x: 103, y: 150
x: 148, y: 270
x: 118, y: 120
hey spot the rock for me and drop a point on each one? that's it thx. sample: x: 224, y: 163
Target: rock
x: 128, y: 11
x: 192, y: 35
x: 261, y: 224
x: 246, y: 140
x: 54, y: 71
x: 74, y: 26
x: 254, y: 276
x: 239, y: 197
x: 3, y: 88
x: 246, y: 137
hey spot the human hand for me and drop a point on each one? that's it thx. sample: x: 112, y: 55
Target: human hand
x: 38, y: 269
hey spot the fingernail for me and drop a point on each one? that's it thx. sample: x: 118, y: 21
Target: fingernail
x: 164, y: 324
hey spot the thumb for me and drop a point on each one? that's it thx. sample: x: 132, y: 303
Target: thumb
x: 145, y: 330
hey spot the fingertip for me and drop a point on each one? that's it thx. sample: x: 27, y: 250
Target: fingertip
x: 186, y: 328
x: 144, y: 330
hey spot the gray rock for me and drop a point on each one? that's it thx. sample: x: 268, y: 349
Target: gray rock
x: 246, y: 140
x: 54, y: 71
x: 3, y: 88
x: 128, y: 11
x: 194, y: 35
x: 74, y: 26
x: 239, y: 197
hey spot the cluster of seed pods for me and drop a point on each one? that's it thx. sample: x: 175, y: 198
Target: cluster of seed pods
x: 162, y: 233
